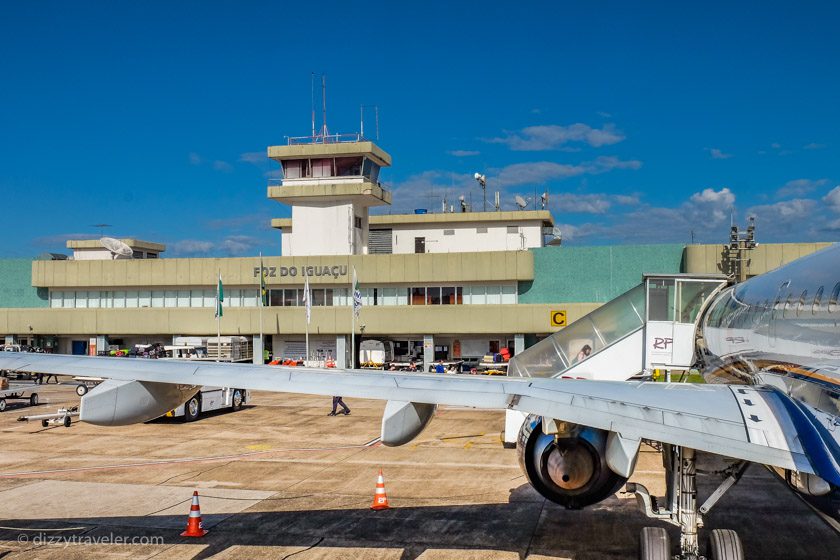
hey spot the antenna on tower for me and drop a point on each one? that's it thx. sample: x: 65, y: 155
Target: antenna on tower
x: 362, y: 119
x: 497, y: 202
x: 313, y: 105
x: 325, y: 131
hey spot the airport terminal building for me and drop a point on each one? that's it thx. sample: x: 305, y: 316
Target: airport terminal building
x: 452, y: 285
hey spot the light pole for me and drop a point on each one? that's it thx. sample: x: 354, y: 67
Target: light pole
x: 482, y: 180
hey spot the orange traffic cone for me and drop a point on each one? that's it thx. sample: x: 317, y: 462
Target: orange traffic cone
x: 380, y: 498
x: 194, y: 528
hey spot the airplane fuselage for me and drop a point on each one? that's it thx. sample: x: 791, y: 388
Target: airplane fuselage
x: 782, y: 330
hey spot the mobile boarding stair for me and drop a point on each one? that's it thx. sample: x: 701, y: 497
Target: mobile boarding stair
x: 652, y: 326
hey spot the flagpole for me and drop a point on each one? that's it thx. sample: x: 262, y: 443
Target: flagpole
x: 219, y: 319
x: 307, y: 295
x: 261, y: 295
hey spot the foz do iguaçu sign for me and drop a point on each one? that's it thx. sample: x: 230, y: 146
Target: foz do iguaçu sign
x: 336, y: 271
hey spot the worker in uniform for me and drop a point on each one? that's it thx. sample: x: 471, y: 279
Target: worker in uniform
x: 339, y: 401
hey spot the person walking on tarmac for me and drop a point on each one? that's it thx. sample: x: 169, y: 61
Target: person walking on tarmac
x: 339, y: 401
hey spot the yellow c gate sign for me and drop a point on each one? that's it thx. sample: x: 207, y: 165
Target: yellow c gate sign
x: 558, y: 318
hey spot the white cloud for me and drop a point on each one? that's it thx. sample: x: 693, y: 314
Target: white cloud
x: 603, y: 164
x: 426, y: 190
x: 785, y: 211
x: 626, y: 200
x: 589, y: 203
x: 222, y: 166
x: 194, y: 158
x: 833, y: 198
x: 717, y: 153
x: 463, y: 153
x: 239, y: 244
x: 550, y: 137
x: 254, y: 157
x: 813, y: 146
x: 800, y: 187
x: 723, y: 197
x: 538, y: 172
x: 233, y: 245
x: 190, y: 247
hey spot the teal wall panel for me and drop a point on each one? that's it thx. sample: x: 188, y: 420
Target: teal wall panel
x: 595, y: 274
x: 16, y: 285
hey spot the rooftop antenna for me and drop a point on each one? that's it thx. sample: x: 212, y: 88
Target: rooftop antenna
x: 362, y: 119
x: 325, y: 132
x: 497, y: 202
x: 544, y: 200
x: 463, y: 203
x: 313, y: 105
x: 521, y: 202
x: 482, y: 180
x: 101, y: 228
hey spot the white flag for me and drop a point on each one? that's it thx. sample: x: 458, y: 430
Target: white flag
x: 307, y: 300
x: 357, y: 294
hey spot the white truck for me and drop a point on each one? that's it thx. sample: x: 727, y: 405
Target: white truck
x: 208, y: 399
x: 374, y: 354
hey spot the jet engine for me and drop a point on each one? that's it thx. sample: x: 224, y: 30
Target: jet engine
x: 119, y: 402
x: 571, y: 466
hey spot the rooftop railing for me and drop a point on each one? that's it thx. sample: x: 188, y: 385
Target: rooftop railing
x: 325, y: 139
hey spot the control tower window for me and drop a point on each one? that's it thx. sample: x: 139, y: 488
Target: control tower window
x: 295, y: 168
x: 348, y: 166
x: 371, y: 171
x: 322, y: 167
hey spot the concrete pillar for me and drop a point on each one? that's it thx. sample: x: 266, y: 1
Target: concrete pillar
x: 518, y: 343
x: 341, y: 349
x: 258, y: 349
x: 101, y: 343
x: 428, y: 351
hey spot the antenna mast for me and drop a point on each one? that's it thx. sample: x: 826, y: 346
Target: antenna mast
x: 312, y: 83
x: 324, y: 132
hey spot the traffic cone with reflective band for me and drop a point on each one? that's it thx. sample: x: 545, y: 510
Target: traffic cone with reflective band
x: 194, y: 528
x: 380, y: 498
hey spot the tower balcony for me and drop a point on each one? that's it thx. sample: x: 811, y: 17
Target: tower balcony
x: 361, y: 191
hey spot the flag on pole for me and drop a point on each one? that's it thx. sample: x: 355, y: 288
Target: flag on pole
x: 263, y: 290
x: 307, y: 300
x: 357, y: 294
x: 220, y: 297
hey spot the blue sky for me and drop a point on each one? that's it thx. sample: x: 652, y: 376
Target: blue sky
x: 643, y: 121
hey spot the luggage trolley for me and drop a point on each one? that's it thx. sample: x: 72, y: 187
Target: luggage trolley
x: 18, y: 393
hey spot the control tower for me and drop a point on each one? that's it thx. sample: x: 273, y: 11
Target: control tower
x: 330, y: 181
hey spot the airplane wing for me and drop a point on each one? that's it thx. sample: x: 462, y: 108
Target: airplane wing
x: 755, y: 424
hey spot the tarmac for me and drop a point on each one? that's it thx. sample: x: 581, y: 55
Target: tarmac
x: 280, y: 478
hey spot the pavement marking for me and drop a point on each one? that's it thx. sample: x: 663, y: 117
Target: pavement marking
x: 186, y: 460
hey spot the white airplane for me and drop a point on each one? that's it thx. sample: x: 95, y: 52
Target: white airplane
x: 769, y: 349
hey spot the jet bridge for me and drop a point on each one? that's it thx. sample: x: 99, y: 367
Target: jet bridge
x: 652, y: 326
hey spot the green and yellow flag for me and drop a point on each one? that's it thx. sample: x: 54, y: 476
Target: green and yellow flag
x: 220, y: 297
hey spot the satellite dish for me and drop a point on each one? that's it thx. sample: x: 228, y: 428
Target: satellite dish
x: 556, y: 237
x: 521, y: 202
x: 118, y: 248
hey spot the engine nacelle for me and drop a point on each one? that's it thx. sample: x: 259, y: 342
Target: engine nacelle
x: 403, y: 421
x: 572, y: 468
x: 119, y: 403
